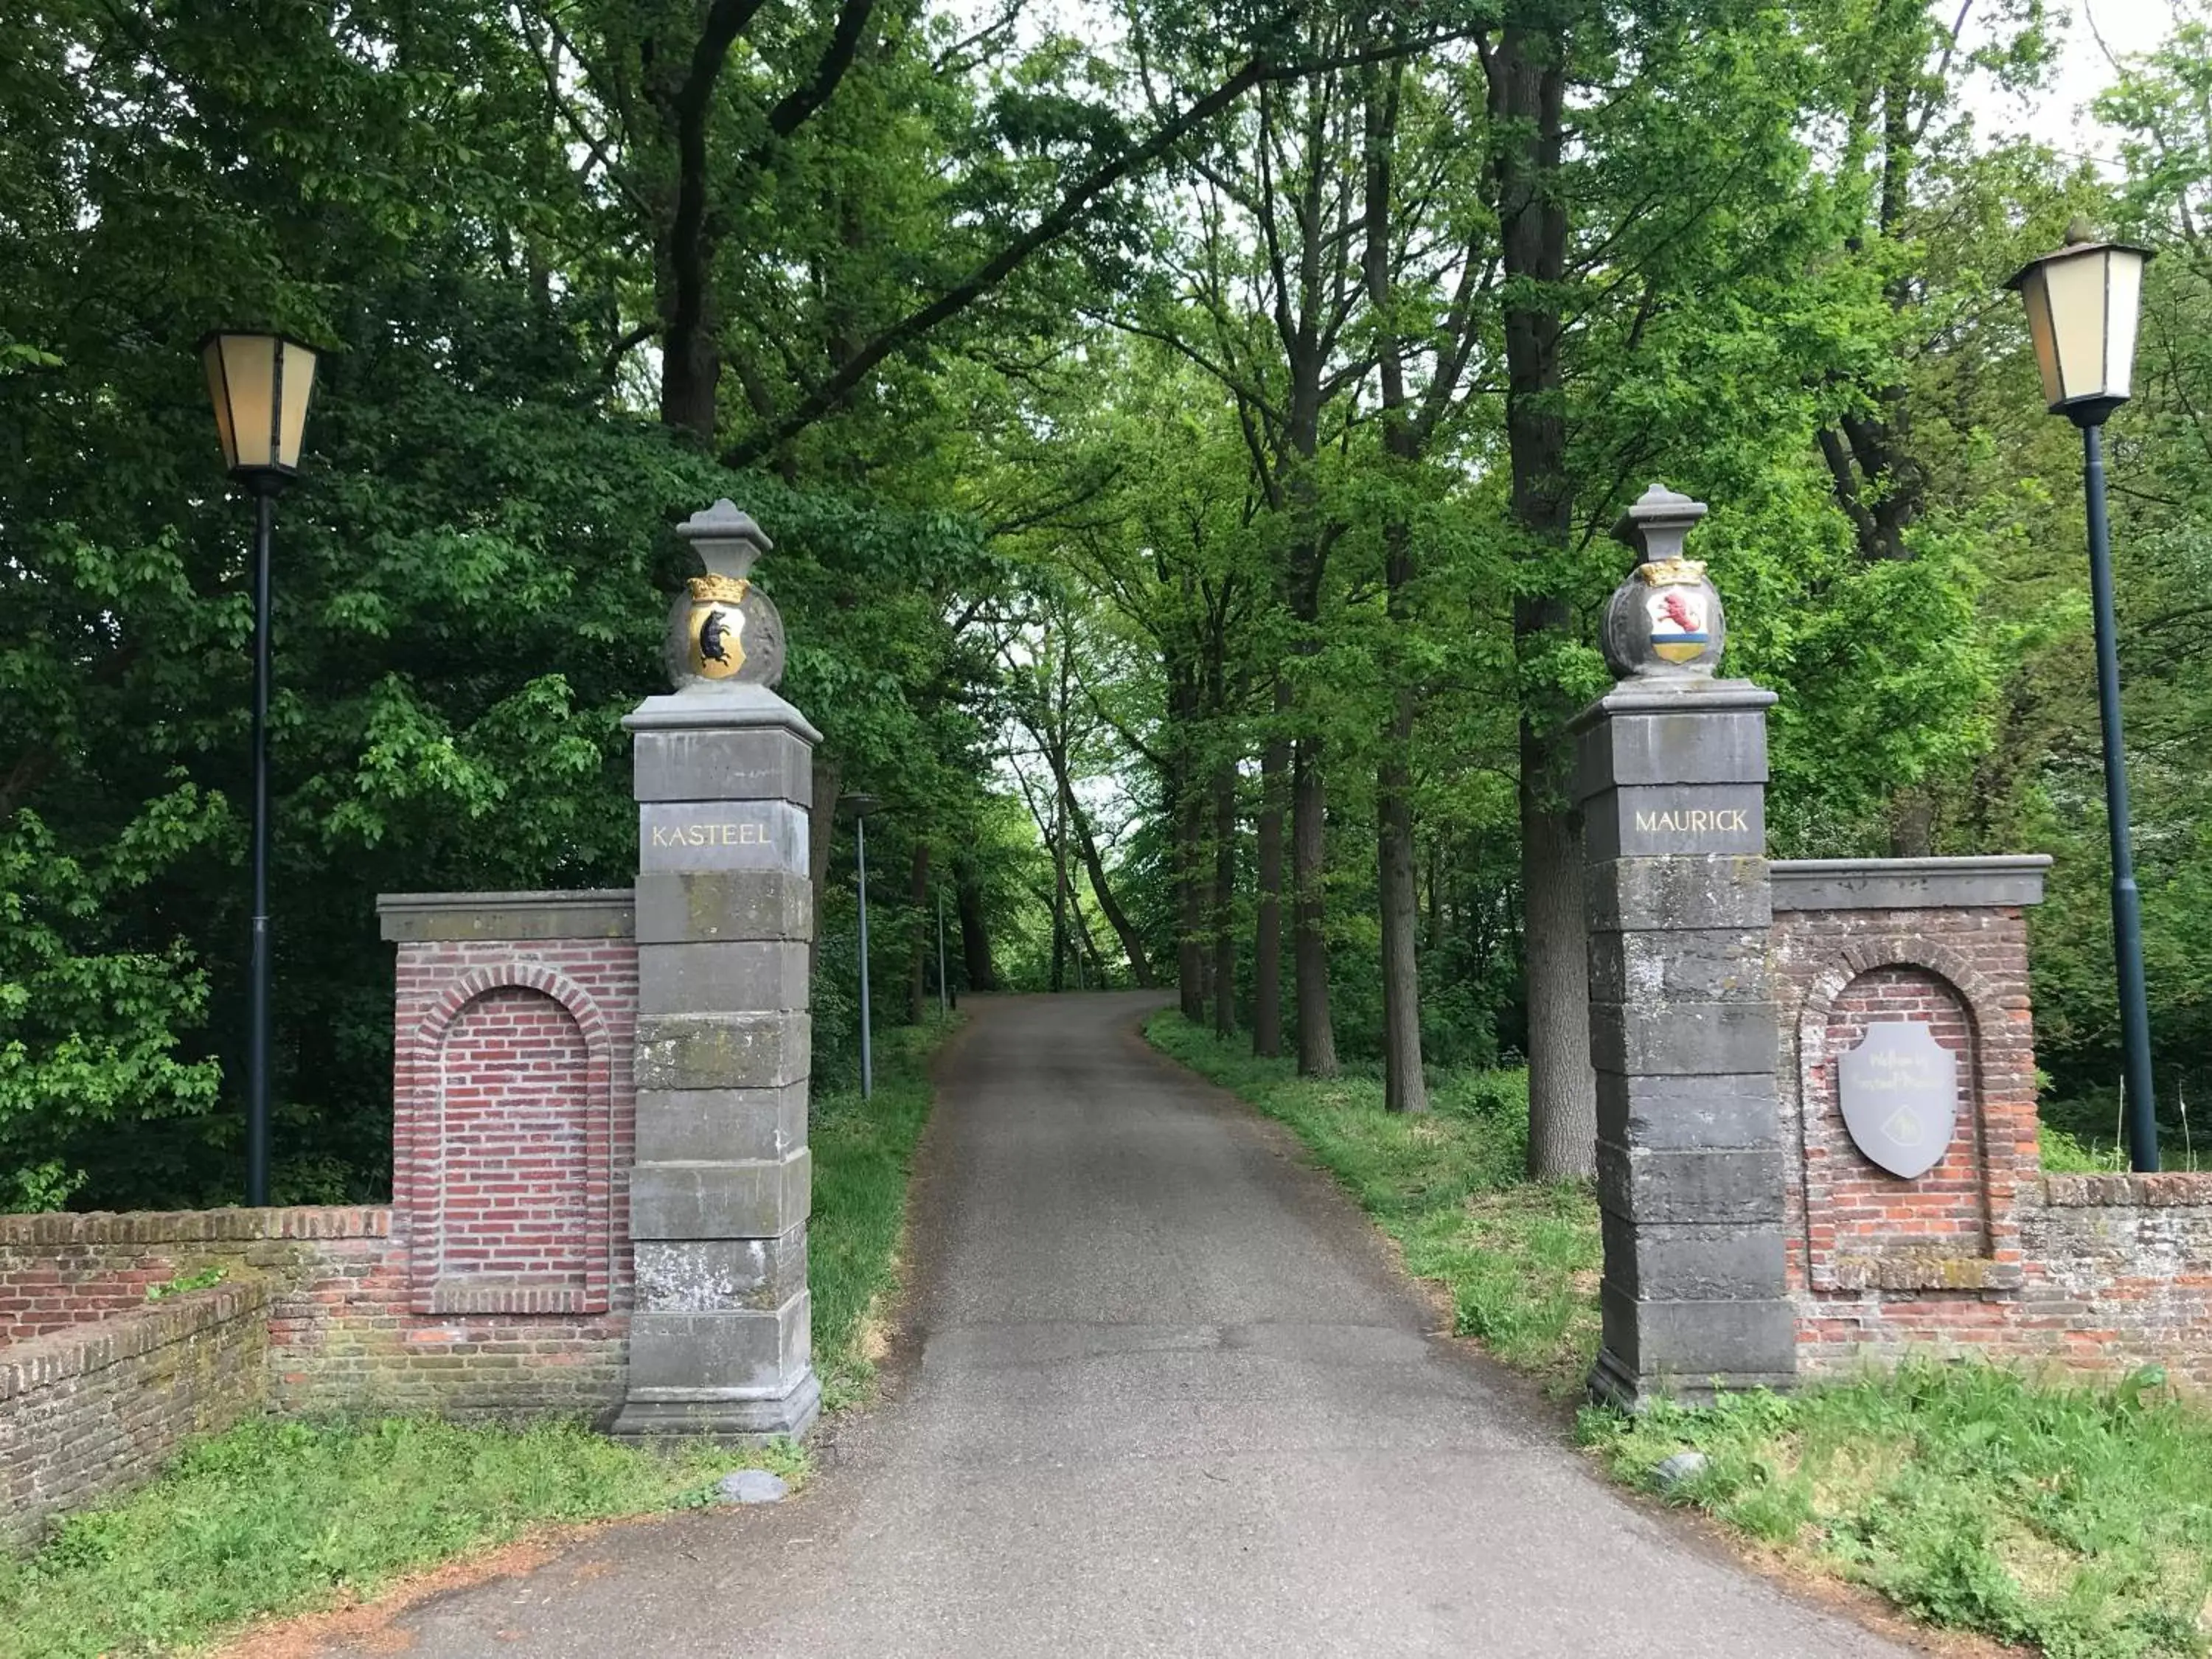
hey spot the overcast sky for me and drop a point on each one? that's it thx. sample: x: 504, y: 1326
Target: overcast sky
x: 2126, y: 27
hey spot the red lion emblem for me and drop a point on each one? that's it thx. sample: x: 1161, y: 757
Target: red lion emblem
x: 1678, y: 611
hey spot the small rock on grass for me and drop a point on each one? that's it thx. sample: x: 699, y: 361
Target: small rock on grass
x: 751, y: 1486
x: 1683, y: 1466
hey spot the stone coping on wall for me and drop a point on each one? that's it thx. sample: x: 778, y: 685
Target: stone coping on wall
x: 583, y: 912
x: 2003, y: 880
x: 2167, y: 1189
x: 97, y: 1344
x: 195, y: 1226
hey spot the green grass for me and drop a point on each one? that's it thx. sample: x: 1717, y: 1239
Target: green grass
x: 278, y: 1518
x: 1520, y: 1261
x: 863, y: 1154
x: 290, y: 1517
x: 2077, y: 1519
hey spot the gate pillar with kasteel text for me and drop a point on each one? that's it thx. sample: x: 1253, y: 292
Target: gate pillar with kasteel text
x: 720, y: 1341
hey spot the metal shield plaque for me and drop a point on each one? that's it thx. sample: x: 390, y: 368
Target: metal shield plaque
x: 1899, y: 1092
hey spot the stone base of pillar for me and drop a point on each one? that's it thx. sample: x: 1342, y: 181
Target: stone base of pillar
x: 1759, y: 1334
x: 725, y: 1421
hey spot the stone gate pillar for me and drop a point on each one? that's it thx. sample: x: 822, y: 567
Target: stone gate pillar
x: 1671, y: 779
x: 720, y: 1343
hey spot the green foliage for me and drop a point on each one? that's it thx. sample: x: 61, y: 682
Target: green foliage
x: 1519, y: 1261
x: 200, y: 1279
x: 2071, y: 1518
x: 287, y: 1517
x: 89, y: 1028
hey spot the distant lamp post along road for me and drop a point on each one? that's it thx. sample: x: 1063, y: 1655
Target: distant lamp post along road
x: 859, y: 806
x: 2083, y: 307
x: 260, y: 384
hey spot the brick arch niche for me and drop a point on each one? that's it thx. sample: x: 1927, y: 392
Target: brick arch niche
x: 1872, y: 1219
x: 509, y: 1078
x: 1855, y: 948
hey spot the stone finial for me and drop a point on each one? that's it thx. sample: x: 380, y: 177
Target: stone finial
x: 1665, y: 621
x: 726, y: 537
x: 1658, y: 524
x: 722, y: 628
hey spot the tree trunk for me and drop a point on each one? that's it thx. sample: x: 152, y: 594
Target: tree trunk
x: 1225, y: 900
x: 974, y: 930
x: 1528, y: 96
x: 821, y: 835
x: 1086, y: 845
x: 1563, y: 1132
x: 1912, y: 823
x: 1405, y: 1088
x: 1267, y: 922
x: 1191, y: 907
x: 1309, y: 940
x: 917, y: 984
x: 1060, y: 893
x: 690, y: 375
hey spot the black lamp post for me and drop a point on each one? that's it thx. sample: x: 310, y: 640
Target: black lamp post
x: 260, y: 384
x: 2083, y: 305
x: 859, y: 806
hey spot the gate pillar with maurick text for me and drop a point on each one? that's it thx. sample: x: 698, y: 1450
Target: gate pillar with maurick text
x: 1671, y: 777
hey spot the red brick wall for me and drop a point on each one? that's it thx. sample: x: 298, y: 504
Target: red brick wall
x: 1981, y: 1253
x: 88, y: 1410
x: 343, y: 1335
x: 513, y: 1123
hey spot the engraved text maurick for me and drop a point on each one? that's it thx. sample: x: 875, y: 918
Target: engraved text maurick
x: 1689, y: 821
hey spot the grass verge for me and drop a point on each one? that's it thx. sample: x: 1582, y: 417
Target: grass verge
x: 2078, y: 1519
x: 279, y: 1517
x: 863, y: 1155
x: 276, y: 1518
x: 1520, y: 1261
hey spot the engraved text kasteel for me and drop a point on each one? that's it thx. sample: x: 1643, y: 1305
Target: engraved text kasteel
x: 710, y: 835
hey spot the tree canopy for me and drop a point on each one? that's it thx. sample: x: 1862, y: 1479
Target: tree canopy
x: 1189, y: 435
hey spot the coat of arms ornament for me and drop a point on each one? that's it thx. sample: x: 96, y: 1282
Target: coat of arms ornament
x: 1665, y: 621
x: 722, y: 627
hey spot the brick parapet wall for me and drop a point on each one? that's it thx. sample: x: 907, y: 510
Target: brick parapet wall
x: 98, y: 1406
x: 342, y: 1332
x: 1984, y: 1254
x: 514, y: 1109
x: 499, y: 1284
x: 60, y: 1270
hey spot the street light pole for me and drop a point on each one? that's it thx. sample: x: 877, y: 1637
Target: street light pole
x: 257, y: 1040
x: 859, y: 806
x: 260, y: 385
x: 867, y: 1045
x: 2127, y: 899
x: 2083, y: 302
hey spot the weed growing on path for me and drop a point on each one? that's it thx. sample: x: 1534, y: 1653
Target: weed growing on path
x: 280, y: 1518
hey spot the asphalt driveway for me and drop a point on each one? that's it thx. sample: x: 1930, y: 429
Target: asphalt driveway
x: 1162, y: 1393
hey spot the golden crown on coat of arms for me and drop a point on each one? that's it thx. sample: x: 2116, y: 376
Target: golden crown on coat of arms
x: 722, y: 590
